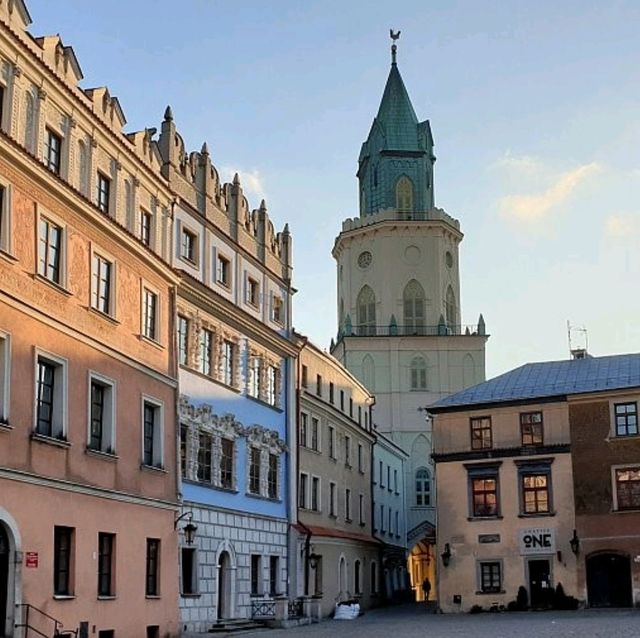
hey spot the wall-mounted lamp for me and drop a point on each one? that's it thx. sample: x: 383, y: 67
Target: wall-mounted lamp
x: 575, y: 543
x: 314, y: 559
x: 446, y: 555
x: 189, y: 529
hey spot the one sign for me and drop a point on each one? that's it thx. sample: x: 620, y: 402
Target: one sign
x: 537, y: 540
x: 31, y: 559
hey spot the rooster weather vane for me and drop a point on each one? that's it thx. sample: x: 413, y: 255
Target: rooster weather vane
x: 394, y: 46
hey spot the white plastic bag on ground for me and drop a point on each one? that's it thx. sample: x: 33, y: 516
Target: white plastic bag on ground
x: 347, y: 611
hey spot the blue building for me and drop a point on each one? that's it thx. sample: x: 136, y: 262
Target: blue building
x: 235, y: 360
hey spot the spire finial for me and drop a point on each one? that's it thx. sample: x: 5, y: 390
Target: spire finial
x: 394, y: 46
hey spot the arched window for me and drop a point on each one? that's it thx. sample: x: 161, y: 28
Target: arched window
x: 423, y: 487
x: 468, y: 371
x: 356, y: 578
x: 374, y: 577
x: 413, y: 298
x: 366, y: 312
x: 83, y: 168
x: 418, y: 373
x: 404, y: 195
x: 450, y: 308
x: 342, y: 576
x: 369, y: 373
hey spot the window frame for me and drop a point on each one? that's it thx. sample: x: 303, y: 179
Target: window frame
x: 484, y: 472
x: 192, y: 253
x: 52, y: 157
x: 227, y: 463
x: 615, y: 427
x: 315, y: 501
x: 486, y: 586
x: 5, y: 378
x: 479, y: 442
x: 223, y: 270
x: 615, y: 469
x: 6, y: 216
x: 526, y: 422
x: 52, y: 220
x: 535, y: 468
x: 106, y: 565
x: 108, y: 424
x: 183, y: 339
x: 347, y: 505
x: 103, y: 192
x: 255, y: 569
x: 333, y: 502
x: 145, y: 227
x: 423, y: 493
x: 331, y: 431
x: 154, y: 334
x: 315, y: 433
x: 152, y: 568
x: 59, y: 429
x: 253, y: 478
x: 205, y: 363
x: 227, y: 362
x: 252, y: 297
x: 99, y: 258
x: 63, y: 565
x: 157, y: 450
x: 273, y: 477
x: 193, y: 570
x: 303, y: 486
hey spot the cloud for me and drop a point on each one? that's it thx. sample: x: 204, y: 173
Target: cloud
x: 252, y: 182
x: 534, y: 207
x: 622, y: 226
x: 521, y: 164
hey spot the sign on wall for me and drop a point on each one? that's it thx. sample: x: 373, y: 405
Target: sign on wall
x: 31, y: 559
x: 537, y: 540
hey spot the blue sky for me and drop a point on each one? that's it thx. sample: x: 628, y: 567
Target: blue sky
x: 534, y: 109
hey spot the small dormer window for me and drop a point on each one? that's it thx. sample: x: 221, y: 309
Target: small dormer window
x: 404, y: 195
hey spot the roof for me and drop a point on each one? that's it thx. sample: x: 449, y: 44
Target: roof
x: 396, y: 115
x: 550, y: 379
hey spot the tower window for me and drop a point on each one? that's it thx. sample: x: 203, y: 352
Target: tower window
x: 366, y: 312
x: 404, y: 195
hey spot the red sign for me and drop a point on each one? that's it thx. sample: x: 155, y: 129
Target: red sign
x: 31, y: 559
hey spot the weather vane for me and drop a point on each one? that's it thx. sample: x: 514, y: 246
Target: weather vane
x: 394, y: 46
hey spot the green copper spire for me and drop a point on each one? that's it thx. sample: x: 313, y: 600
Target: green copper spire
x: 396, y: 161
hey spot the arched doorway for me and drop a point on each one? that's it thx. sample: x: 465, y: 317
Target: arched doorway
x: 224, y: 586
x: 609, y: 580
x: 4, y: 576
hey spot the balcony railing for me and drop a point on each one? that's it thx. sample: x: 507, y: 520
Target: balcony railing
x: 441, y: 330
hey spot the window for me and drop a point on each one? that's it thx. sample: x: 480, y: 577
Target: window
x: 188, y: 245
x: 206, y: 343
x: 228, y: 354
x: 389, y: 477
x: 52, y: 151
x: 183, y: 340
x: 315, y: 494
x: 315, y: 427
x: 531, y: 428
x: 152, y: 586
x: 485, y: 496
x: 404, y: 195
x: 255, y: 370
x: 102, y: 281
x: 360, y: 459
x: 101, y: 416
x: 256, y: 576
x: 628, y: 488
x: 150, y: 317
x: 51, y: 398
x: 106, y: 547
x: 361, y: 509
x: 382, y: 527
x: 380, y: 474
x: 481, y: 433
x: 304, y: 420
x: 5, y: 218
x: 62, y: 560
x: 305, y: 375
x: 153, y: 631
x: 395, y: 481
x: 145, y: 227
x: 253, y: 292
x: 535, y: 493
x: 332, y: 442
x: 189, y: 571
x: 274, y: 573
x: 347, y: 505
x: 413, y: 301
x: 272, y: 476
x: 332, y: 500
x: 390, y: 522
x: 226, y: 464
x: 450, y: 307
x: 5, y: 376
x: 104, y: 188
x: 152, y: 434
x: 356, y: 577
x: 277, y: 308
x: 351, y: 407
x: 318, y: 385
x: 418, y: 373
x: 342, y: 400
x: 254, y: 471
x: 272, y: 385
x: 331, y: 393
x: 204, y: 457
x: 222, y: 270
x: 626, y: 416
x: 50, y: 250
x: 366, y: 309
x: 302, y: 491
x: 359, y: 415
x: 347, y: 451
x: 398, y: 524
x: 374, y: 578
x: 490, y: 577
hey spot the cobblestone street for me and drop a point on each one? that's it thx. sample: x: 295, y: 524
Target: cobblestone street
x: 409, y: 621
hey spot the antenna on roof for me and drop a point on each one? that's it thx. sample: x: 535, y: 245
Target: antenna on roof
x: 578, y: 341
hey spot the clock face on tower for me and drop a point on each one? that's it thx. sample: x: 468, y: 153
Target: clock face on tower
x: 364, y: 259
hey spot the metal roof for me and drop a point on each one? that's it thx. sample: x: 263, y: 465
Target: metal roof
x: 550, y: 379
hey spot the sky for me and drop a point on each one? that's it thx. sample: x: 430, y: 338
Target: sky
x: 534, y: 108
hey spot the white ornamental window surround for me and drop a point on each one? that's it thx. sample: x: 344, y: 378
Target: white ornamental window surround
x: 222, y: 336
x: 268, y: 442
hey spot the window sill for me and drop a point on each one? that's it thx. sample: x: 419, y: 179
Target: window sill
x: 50, y: 440
x: 53, y: 284
x: 190, y: 262
x: 107, y: 598
x: 265, y: 403
x: 151, y: 342
x: 537, y: 515
x: 222, y: 384
x: 223, y: 284
x: 153, y: 469
x: 626, y: 511
x: 264, y: 498
x: 105, y: 456
x: 64, y: 597
x: 622, y: 437
x: 182, y: 595
x: 5, y: 254
x: 220, y: 488
x: 6, y: 427
x: 333, y: 516
x: 348, y: 520
x: 152, y: 597
x: 490, y: 593
x: 361, y: 472
x: 484, y: 518
x: 348, y: 466
x: 103, y: 315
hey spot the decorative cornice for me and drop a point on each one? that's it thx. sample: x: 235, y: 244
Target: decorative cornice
x: 501, y: 453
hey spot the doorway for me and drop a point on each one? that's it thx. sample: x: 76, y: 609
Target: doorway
x: 4, y: 577
x: 540, y: 590
x: 224, y: 586
x: 609, y: 580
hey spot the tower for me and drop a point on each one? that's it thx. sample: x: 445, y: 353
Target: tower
x: 400, y: 328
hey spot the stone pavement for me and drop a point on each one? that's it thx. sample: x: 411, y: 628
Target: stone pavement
x: 412, y: 621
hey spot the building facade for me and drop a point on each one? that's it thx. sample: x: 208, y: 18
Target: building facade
x: 236, y: 384
x: 88, y: 488
x: 538, y: 478
x: 400, y: 329
x: 336, y: 556
x: 390, y: 515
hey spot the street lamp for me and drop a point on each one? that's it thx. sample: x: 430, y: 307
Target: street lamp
x: 575, y: 543
x: 446, y: 555
x: 189, y: 529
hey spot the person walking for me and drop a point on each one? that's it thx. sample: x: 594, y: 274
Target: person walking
x: 426, y: 588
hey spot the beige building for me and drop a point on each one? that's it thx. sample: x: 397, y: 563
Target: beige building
x: 505, y: 495
x: 88, y: 482
x: 336, y: 556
